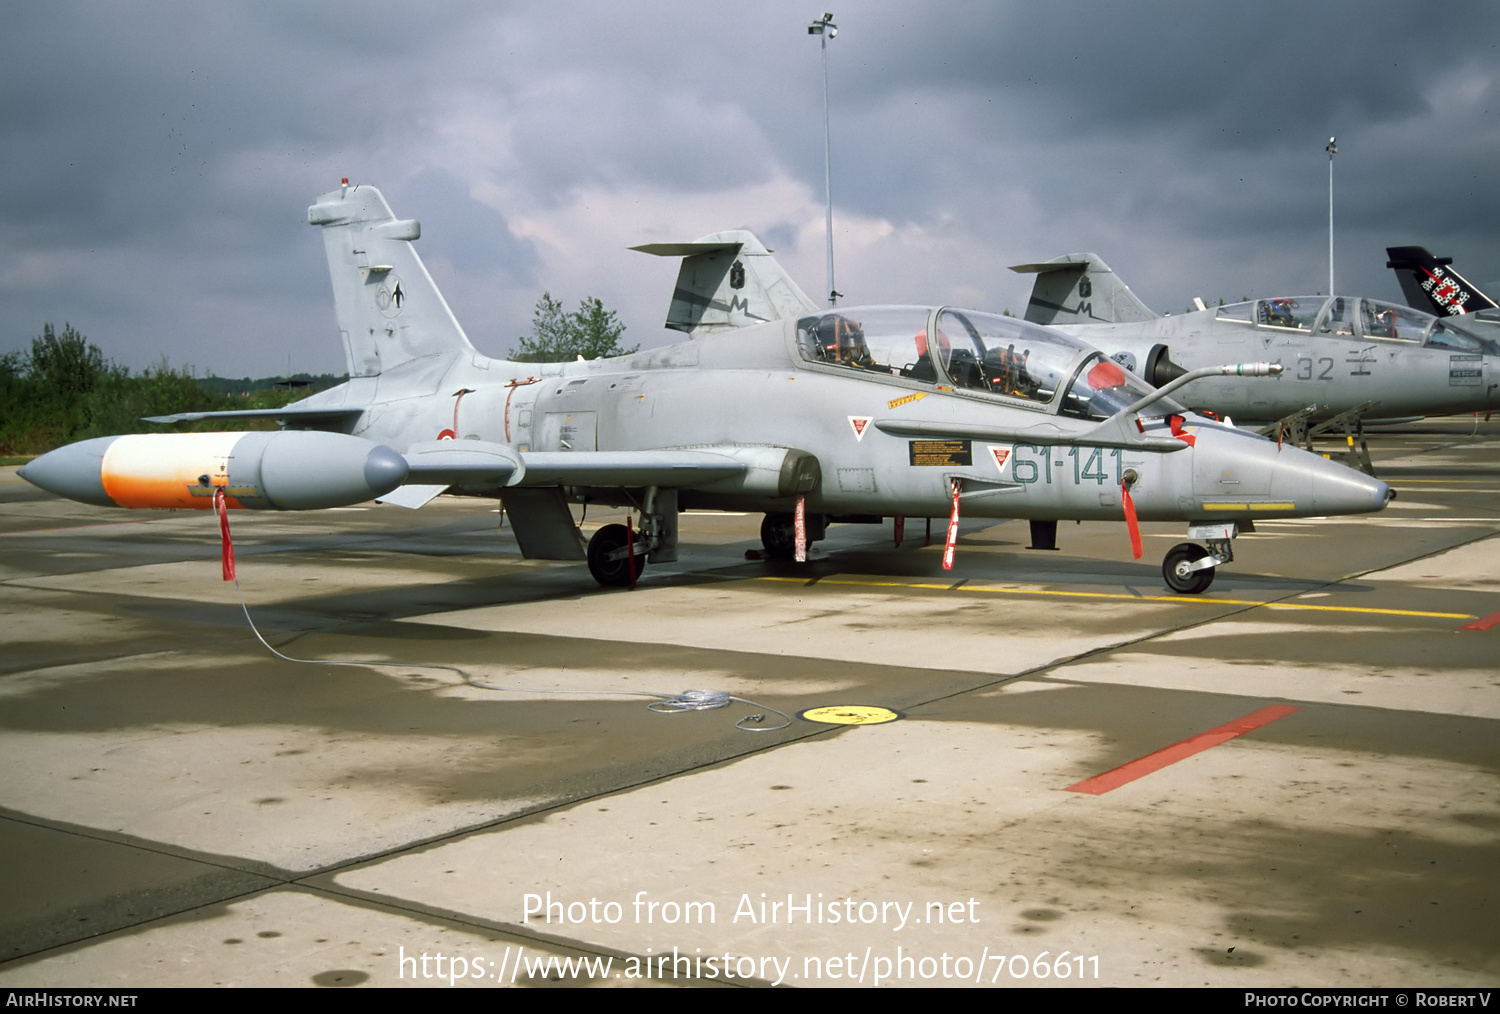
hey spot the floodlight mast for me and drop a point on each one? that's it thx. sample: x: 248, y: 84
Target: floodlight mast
x: 825, y: 29
x: 1332, y: 149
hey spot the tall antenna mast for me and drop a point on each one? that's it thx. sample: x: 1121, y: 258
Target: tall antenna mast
x: 1332, y: 149
x: 825, y: 29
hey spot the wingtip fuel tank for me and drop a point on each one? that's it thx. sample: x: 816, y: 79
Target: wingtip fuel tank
x: 283, y: 470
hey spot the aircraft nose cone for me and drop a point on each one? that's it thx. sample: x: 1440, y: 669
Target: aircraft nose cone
x: 73, y: 471
x: 1338, y: 489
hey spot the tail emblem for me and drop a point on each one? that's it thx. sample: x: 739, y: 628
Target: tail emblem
x: 390, y: 297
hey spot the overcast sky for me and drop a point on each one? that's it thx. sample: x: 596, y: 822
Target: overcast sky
x: 157, y: 159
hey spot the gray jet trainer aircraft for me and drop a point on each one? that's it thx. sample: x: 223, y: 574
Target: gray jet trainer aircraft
x: 1342, y: 355
x: 849, y: 415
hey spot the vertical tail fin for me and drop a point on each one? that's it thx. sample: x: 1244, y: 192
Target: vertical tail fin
x: 1080, y: 289
x: 1430, y: 284
x: 728, y: 280
x: 389, y: 311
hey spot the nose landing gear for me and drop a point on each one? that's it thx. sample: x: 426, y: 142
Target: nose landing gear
x: 1188, y: 568
x: 1183, y: 572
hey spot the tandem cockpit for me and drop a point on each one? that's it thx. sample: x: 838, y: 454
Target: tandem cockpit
x: 1019, y: 364
x: 1343, y: 316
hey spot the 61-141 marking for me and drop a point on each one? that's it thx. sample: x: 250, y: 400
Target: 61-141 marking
x: 1028, y: 469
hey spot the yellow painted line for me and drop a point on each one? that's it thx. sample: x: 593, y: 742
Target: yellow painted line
x: 1253, y: 506
x: 1182, y: 600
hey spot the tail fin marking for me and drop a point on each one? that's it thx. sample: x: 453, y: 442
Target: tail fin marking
x: 1080, y: 289
x: 728, y: 280
x: 1430, y: 283
x: 389, y: 310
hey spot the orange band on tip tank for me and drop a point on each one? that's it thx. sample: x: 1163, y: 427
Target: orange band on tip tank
x: 160, y: 469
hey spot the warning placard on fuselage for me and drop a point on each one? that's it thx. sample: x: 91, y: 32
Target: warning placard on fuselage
x: 944, y: 453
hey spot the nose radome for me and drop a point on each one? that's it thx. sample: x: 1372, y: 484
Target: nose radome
x: 1238, y: 464
x: 1339, y: 489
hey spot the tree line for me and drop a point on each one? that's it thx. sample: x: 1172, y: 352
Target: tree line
x: 557, y: 336
x: 63, y: 389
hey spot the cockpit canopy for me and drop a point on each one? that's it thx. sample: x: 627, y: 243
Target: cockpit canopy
x: 1354, y: 318
x: 965, y: 350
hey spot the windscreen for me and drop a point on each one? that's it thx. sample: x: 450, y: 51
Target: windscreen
x: 1387, y: 320
x: 872, y: 339
x: 1005, y: 356
x: 1103, y: 388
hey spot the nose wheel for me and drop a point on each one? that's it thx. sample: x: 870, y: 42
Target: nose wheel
x: 1185, y: 569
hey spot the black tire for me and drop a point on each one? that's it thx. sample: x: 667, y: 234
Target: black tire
x: 614, y: 573
x: 778, y: 533
x: 1192, y: 582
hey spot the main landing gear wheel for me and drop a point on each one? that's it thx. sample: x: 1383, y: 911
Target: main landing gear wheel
x: 608, y: 561
x: 1175, y: 569
x: 778, y: 533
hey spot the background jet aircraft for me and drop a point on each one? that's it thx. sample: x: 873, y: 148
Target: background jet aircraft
x: 858, y: 414
x: 1341, y: 354
x: 1430, y: 283
x: 728, y: 280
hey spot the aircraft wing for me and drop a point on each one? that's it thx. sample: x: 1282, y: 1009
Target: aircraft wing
x: 627, y: 468
x: 529, y: 482
x: 480, y: 465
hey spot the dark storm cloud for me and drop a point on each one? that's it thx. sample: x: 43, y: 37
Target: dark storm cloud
x: 142, y: 142
x: 1244, y: 75
x: 159, y: 158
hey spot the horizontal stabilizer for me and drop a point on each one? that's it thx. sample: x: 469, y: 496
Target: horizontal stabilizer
x: 685, y: 249
x: 1080, y: 289
x: 303, y: 415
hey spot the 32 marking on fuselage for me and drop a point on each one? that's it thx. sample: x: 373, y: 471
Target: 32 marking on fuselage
x: 1305, y: 368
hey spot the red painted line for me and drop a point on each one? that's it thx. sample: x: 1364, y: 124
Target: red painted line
x: 1142, y: 766
x: 1484, y: 623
